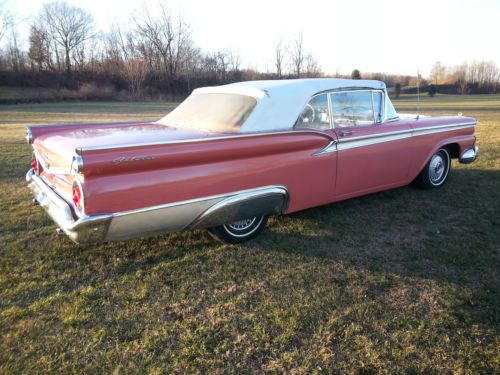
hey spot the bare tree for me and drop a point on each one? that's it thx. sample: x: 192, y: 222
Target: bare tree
x: 438, y: 73
x: 135, y: 72
x: 39, y: 49
x: 222, y: 64
x: 297, y: 56
x: 69, y: 27
x: 6, y: 19
x: 15, y: 56
x: 165, y: 41
x: 313, y: 70
x: 459, y: 77
x: 280, y: 50
x: 234, y: 61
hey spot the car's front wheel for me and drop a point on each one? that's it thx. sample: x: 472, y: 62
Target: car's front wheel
x: 435, y: 171
x: 239, y: 231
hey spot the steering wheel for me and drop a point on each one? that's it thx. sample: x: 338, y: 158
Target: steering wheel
x: 308, y: 115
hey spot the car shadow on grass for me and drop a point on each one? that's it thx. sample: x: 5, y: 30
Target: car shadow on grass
x: 449, y: 235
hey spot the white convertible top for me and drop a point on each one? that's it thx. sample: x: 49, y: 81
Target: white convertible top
x: 280, y: 102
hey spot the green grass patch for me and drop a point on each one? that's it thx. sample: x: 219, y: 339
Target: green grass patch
x: 404, y: 281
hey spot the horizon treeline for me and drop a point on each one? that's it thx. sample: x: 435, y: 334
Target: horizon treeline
x: 155, y: 55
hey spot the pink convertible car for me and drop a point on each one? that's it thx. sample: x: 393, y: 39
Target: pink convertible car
x: 229, y: 156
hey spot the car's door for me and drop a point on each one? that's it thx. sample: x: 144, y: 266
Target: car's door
x: 373, y: 153
x: 316, y: 116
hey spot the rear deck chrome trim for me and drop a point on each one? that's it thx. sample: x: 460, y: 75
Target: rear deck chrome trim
x: 80, y: 150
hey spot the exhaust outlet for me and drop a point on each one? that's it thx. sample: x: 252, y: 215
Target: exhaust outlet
x: 59, y: 231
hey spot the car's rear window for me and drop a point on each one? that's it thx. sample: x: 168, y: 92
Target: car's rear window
x: 214, y: 112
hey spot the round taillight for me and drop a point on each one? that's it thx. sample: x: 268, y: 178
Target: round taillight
x: 77, y: 197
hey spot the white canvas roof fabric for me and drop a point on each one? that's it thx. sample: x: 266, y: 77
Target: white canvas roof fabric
x: 279, y: 102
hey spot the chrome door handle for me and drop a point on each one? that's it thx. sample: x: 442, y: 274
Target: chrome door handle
x: 343, y: 133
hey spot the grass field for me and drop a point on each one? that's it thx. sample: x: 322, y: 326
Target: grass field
x: 405, y: 281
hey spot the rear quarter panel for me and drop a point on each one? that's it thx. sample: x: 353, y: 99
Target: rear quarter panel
x: 161, y: 174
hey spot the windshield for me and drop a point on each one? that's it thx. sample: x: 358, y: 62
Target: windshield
x: 213, y: 112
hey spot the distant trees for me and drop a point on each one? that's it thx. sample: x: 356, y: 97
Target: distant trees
x: 154, y: 53
x: 301, y: 63
x: 472, y: 77
x: 483, y: 75
x: 356, y: 74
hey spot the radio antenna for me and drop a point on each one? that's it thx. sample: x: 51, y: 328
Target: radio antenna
x: 418, y: 94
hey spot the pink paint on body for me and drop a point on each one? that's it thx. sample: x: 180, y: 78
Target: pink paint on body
x: 123, y: 178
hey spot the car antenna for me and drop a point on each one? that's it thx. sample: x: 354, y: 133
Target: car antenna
x: 418, y: 95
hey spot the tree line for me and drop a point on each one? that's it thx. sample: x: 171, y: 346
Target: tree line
x: 468, y: 78
x: 155, y: 53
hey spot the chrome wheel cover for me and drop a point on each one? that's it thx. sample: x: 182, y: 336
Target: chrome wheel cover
x: 241, y: 225
x: 437, y: 168
x: 244, y: 228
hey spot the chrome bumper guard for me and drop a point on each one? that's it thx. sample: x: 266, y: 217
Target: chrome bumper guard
x: 469, y: 156
x: 190, y: 214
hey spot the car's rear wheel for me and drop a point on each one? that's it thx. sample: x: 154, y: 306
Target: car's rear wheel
x: 239, y: 231
x: 435, y: 171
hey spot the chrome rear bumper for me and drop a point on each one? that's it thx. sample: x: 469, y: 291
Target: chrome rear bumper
x: 82, y: 230
x: 469, y: 156
x: 197, y: 213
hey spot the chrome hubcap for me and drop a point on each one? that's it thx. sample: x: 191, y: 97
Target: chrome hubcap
x: 242, y: 224
x: 436, y: 168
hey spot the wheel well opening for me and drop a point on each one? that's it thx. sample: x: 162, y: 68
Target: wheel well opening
x: 453, y: 149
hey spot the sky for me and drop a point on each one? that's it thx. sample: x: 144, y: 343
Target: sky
x: 373, y: 36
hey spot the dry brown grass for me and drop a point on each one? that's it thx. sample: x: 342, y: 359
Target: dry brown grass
x: 404, y: 281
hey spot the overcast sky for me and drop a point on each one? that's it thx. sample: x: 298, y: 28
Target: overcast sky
x: 377, y: 36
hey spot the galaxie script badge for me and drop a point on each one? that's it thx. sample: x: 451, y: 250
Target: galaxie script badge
x: 125, y: 159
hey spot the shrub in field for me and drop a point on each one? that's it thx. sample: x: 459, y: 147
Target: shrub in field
x: 432, y: 90
x: 397, y: 89
x: 91, y: 91
x: 66, y: 94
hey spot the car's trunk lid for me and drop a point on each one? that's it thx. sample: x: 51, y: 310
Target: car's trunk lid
x: 55, y: 148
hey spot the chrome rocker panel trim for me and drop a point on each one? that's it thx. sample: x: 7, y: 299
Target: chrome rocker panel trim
x: 469, y: 156
x: 197, y: 213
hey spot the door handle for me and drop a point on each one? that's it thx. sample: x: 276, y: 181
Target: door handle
x: 343, y: 133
